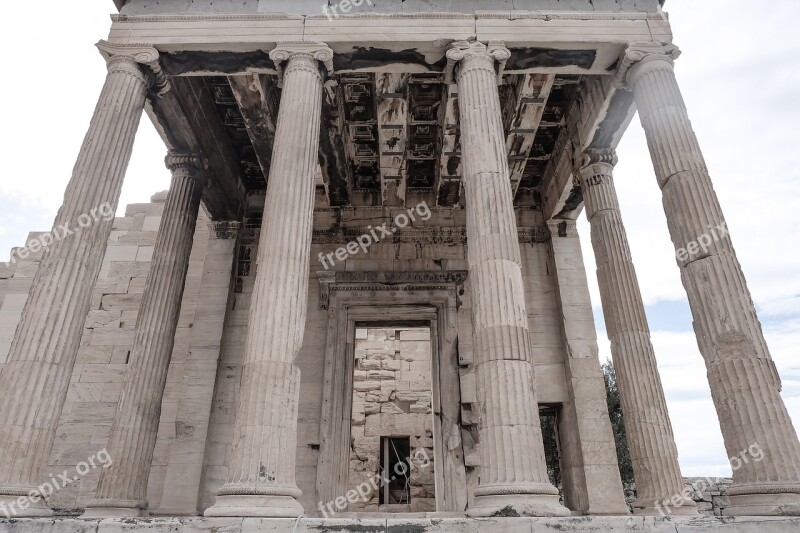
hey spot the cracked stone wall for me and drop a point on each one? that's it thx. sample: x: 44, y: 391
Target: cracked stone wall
x: 392, y: 395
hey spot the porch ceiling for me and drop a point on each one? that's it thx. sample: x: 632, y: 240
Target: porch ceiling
x: 393, y: 139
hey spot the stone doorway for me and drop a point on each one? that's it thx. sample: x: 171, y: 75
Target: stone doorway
x: 358, y: 300
x: 392, y: 446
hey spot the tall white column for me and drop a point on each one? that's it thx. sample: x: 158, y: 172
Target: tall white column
x: 744, y: 382
x: 649, y: 430
x: 261, y: 475
x: 122, y: 489
x: 513, y: 469
x: 34, y: 381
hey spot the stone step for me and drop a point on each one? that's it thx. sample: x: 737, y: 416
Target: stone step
x: 395, y: 524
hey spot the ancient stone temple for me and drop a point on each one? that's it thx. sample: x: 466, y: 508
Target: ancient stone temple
x: 364, y: 289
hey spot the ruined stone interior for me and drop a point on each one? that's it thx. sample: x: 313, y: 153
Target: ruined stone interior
x: 302, y: 361
x: 392, y: 401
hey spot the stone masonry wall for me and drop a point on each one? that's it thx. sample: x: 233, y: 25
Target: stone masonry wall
x: 102, y: 359
x: 710, y: 493
x: 392, y: 395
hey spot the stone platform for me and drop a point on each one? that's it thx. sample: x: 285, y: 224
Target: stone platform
x: 406, y: 525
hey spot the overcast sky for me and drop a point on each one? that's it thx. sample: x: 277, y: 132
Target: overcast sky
x: 740, y: 75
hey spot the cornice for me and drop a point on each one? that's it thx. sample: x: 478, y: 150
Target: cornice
x: 406, y: 16
x: 566, y: 15
x: 499, y: 15
x: 205, y: 17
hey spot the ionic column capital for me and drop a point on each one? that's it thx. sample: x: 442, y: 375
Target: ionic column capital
x: 607, y: 157
x: 594, y: 173
x: 193, y: 163
x: 301, y: 55
x: 476, y: 55
x: 128, y: 56
x: 638, y: 57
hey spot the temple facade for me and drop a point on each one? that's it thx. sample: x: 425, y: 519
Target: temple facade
x: 364, y: 290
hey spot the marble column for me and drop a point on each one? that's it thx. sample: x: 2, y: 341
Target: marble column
x: 650, y: 438
x: 34, y: 381
x: 513, y: 469
x: 122, y: 489
x: 759, y: 436
x: 261, y: 474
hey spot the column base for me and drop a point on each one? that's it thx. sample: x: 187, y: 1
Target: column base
x: 260, y: 506
x: 667, y: 507
x: 763, y: 504
x: 515, y: 505
x: 11, y: 502
x: 115, y: 509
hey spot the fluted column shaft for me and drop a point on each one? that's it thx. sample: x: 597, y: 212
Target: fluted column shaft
x: 744, y: 382
x: 261, y: 475
x: 649, y: 430
x: 34, y: 381
x: 513, y: 467
x: 122, y: 489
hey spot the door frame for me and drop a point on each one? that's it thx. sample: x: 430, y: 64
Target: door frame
x: 354, y: 298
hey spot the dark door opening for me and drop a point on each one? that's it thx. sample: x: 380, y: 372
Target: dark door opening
x: 395, y: 471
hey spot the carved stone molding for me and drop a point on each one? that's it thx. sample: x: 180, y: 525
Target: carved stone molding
x: 143, y: 54
x: 471, y: 52
x: 225, y: 229
x: 388, y: 281
x: 301, y: 50
x: 533, y: 235
x: 423, y: 235
x: 456, y: 236
x: 639, y: 53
